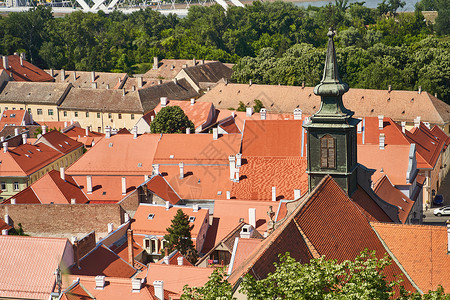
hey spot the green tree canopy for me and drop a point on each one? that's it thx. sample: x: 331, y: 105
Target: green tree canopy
x: 217, y: 288
x: 179, y: 236
x: 171, y: 119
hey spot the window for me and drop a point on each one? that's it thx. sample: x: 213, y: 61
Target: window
x: 99, y: 129
x: 98, y: 115
x: 39, y: 111
x: 16, y: 186
x: 154, y: 245
x: 327, y: 152
x: 29, y: 110
x: 7, y: 109
x: 76, y: 114
x: 151, y: 216
x: 191, y: 219
x: 132, y: 116
x: 50, y: 112
x: 109, y: 116
x: 65, y: 113
x: 119, y: 116
x: 3, y: 186
x: 87, y: 114
x: 14, y: 108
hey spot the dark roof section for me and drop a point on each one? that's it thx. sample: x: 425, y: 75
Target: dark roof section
x: 210, y: 72
x: 25, y: 72
x: 48, y: 93
x: 151, y: 97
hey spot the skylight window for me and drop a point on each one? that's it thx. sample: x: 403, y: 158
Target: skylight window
x: 139, y: 165
x: 66, y: 142
x: 104, y: 193
x: 60, y: 145
x: 39, y: 150
x: 191, y: 219
x: 171, y: 156
x: 151, y: 216
x: 110, y: 145
x: 13, y: 115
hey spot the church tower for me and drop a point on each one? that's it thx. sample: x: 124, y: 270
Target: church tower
x: 332, y: 143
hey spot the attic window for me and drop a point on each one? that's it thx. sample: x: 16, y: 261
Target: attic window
x: 403, y: 112
x: 104, y: 193
x: 27, y: 155
x: 29, y: 94
x: 219, y: 193
x: 66, y: 142
x: 412, y: 100
x: 241, y: 219
x: 29, y: 151
x: 171, y: 156
x: 110, y: 145
x: 151, y: 216
x: 191, y: 219
x: 371, y: 110
x: 12, y: 115
x: 60, y: 145
x: 139, y: 165
x: 388, y: 99
x: 39, y: 150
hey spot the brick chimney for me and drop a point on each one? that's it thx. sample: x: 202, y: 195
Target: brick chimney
x: 263, y: 113
x: 382, y: 139
x: 130, y: 247
x: 158, y: 286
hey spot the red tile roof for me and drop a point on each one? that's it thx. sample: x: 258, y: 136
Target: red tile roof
x: 428, y: 146
x: 3, y: 225
x: 173, y: 259
x: 438, y: 132
x: 84, y: 79
x: 25, y: 72
x: 161, y: 187
x: 12, y: 117
x: 59, y: 141
x: 199, y: 113
x: 244, y: 248
x: 369, y: 207
x: 420, y: 250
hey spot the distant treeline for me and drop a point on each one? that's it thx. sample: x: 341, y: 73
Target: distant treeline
x: 273, y: 43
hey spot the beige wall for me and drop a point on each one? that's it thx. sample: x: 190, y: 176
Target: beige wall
x: 97, y: 121
x: 33, y: 108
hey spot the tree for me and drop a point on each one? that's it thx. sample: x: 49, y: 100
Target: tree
x: 258, y: 105
x: 179, y: 236
x: 171, y: 119
x: 217, y: 288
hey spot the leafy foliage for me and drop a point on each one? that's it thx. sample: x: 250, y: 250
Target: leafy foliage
x: 179, y: 236
x: 171, y: 119
x: 217, y: 288
x: 258, y: 105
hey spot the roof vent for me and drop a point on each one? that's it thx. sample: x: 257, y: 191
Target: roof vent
x: 99, y: 282
x: 246, y: 231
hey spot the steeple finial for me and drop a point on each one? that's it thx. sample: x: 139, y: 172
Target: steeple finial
x: 331, y: 84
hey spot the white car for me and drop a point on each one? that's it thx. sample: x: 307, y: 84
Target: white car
x: 443, y: 211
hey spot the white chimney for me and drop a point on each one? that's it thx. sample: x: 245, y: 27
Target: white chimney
x: 158, y: 286
x: 215, y: 133
x: 99, y: 282
x: 124, y: 185
x: 175, y: 80
x: 92, y: 76
x: 13, y: 201
x: 65, y: 124
x: 136, y: 285
x: 297, y: 194
x: 274, y: 193
x: 359, y: 127
x: 94, y: 85
x: 155, y: 63
x: 89, y: 184
x: 4, y: 231
x: 194, y: 61
x: 380, y: 122
x: 382, y: 139
x: 427, y: 124
x: 63, y: 75
x: 389, y: 88
x: 167, y: 205
x: 228, y: 195
x: 252, y: 217
x: 107, y: 86
x: 195, y: 208
x: 403, y: 127
x: 140, y: 82
x: 238, y: 160
x: 181, y: 165
x: 107, y: 132
x: 62, y: 173
x: 155, y: 170
x: 133, y: 88
x: 263, y: 113
x: 126, y: 217
x: 52, y: 73
x: 192, y: 101
x: 163, y: 101
x: 5, y: 147
x: 74, y: 75
x: 5, y: 62
x: 124, y: 92
x: 448, y: 236
x: 166, y: 260
x: 417, y: 122
x: 232, y: 160
x: 152, y: 118
x: 180, y: 260
x: 246, y: 232
x: 420, y: 89
x: 16, y: 131
x: 249, y: 111
x: 7, y: 220
x: 110, y: 227
x: 21, y: 62
x: 297, y: 114
x: 188, y: 130
x: 44, y: 129
x: 73, y: 201
x: 250, y: 82
x: 135, y: 132
x: 86, y: 133
x: 237, y: 175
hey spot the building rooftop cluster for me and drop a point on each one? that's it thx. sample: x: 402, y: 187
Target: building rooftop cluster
x: 82, y: 175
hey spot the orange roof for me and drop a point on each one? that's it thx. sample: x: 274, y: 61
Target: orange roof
x: 196, y: 149
x: 439, y: 133
x: 77, y: 131
x: 198, y: 113
x: 420, y: 250
x: 173, y: 259
x: 12, y: 117
x: 102, y: 261
x: 25, y: 71
x: 244, y: 248
x: 161, y: 187
x: 428, y: 146
x: 59, y: 125
x: 51, y: 189
x: 369, y: 207
x: 30, y: 274
x: 260, y: 174
x: 162, y: 219
x: 229, y: 125
x: 59, y: 141
x: 386, y: 191
x: 118, y: 155
x: 371, y: 132
x: 3, y: 225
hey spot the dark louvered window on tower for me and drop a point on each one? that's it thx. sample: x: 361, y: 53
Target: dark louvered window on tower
x: 327, y: 152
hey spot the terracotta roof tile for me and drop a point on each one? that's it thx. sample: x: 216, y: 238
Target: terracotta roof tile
x: 173, y: 259
x: 25, y: 71
x: 21, y: 93
x: 169, y: 68
x: 3, y: 225
x: 428, y: 146
x: 438, y: 132
x: 161, y: 187
x: 244, y: 248
x: 59, y: 141
x: 199, y: 113
x: 210, y: 72
x: 12, y: 117
x: 369, y: 207
x: 84, y: 79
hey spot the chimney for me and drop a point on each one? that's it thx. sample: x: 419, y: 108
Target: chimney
x: 180, y: 260
x: 13, y: 200
x: 448, y: 236
x: 181, y: 165
x: 194, y: 61
x: 297, y: 114
x: 202, y: 62
x: 107, y: 86
x: 252, y: 217
x: 184, y: 66
x: 192, y: 101
x: 89, y: 184
x: 86, y: 133
x: 152, y: 118
x: 5, y: 147
x: 417, y: 122
x: 188, y: 130
x: 135, y: 132
x: 21, y: 61
x: 380, y: 122
x: 232, y: 160
x: 23, y: 55
x: 7, y: 220
x: 65, y: 124
x: 167, y: 205
x: 24, y: 138
x: 389, y: 88
x: 4, y: 231
x: 250, y: 82
x: 62, y: 173
x: 155, y: 170
x: 175, y: 80
x: 163, y: 101
x: 159, y: 81
x: 435, y: 95
x: 110, y: 227
x: 246, y: 232
x: 99, y: 282
x: 44, y: 129
x: 228, y: 195
x: 249, y: 111
x: 140, y: 82
x: 92, y: 76
x: 76, y: 252
x: 136, y: 285
x: 420, y: 89
x: 16, y: 131
x: 158, y: 286
x: 303, y: 84
x: 130, y: 247
x: 133, y: 88
x: 274, y: 193
x: 73, y: 201
x: 155, y: 63
x: 63, y: 75
x: 124, y: 92
x: 107, y: 132
x: 52, y: 73
x: 94, y: 85
x: 263, y: 113
x: 297, y: 194
x: 359, y: 127
x: 403, y: 127
x: 238, y: 160
x: 237, y: 175
x: 5, y: 62
x: 195, y: 207
x: 124, y: 186
x: 382, y: 138
x: 215, y: 133
x: 74, y: 75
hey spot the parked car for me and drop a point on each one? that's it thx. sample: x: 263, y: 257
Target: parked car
x: 438, y: 200
x: 442, y: 211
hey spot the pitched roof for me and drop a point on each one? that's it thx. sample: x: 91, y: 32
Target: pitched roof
x: 29, y: 274
x: 421, y: 250
x: 130, y: 156
x: 398, y: 105
x: 173, y: 259
x: 3, y: 225
x: 84, y: 79
x: 12, y: 117
x: 101, y: 100
x: 244, y: 248
x: 198, y: 113
x: 150, y: 97
x: 25, y: 71
x: 158, y: 185
x: 428, y: 146
x: 46, y: 93
x: 132, y: 82
x: 59, y: 141
x: 438, y: 132
x: 209, y: 72
x: 169, y: 68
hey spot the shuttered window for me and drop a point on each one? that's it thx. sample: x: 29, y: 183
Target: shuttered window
x: 327, y: 152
